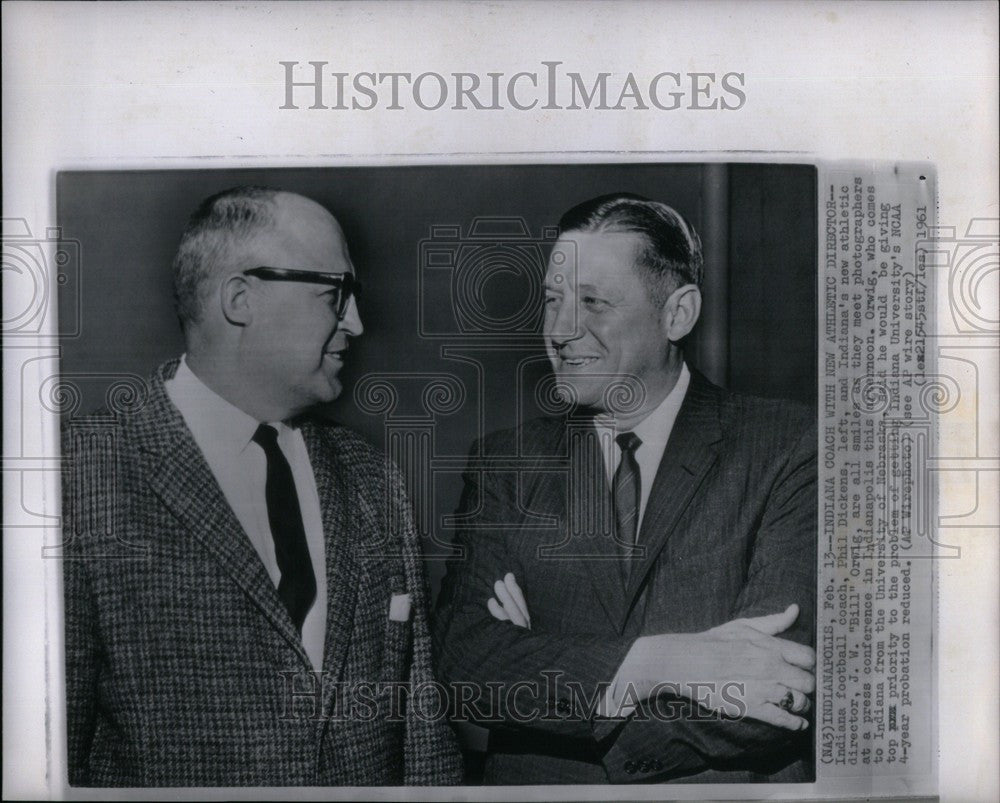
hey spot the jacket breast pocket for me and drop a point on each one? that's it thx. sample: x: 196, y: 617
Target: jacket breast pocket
x: 398, y: 638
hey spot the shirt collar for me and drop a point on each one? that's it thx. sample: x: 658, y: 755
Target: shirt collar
x: 654, y: 430
x: 213, y: 419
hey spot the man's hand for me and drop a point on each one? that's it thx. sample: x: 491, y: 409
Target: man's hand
x: 508, y: 604
x: 739, y: 668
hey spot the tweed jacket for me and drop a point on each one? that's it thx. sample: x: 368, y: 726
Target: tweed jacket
x: 183, y: 667
x: 729, y: 531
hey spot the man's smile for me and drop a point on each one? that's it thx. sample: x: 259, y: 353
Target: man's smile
x: 335, y: 358
x: 576, y: 360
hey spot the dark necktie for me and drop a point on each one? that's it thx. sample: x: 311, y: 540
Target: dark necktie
x: 297, y: 587
x: 626, y: 491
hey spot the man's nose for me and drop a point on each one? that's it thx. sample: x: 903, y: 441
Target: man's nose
x: 351, y: 324
x: 564, y: 324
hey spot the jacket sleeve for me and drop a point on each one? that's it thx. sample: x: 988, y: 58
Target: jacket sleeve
x: 782, y: 570
x: 430, y: 749
x: 510, y: 677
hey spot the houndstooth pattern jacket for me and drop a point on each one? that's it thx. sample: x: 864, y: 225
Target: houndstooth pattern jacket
x: 183, y: 668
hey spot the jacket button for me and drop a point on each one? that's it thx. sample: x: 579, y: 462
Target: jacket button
x: 630, y: 767
x: 644, y: 766
x: 657, y: 765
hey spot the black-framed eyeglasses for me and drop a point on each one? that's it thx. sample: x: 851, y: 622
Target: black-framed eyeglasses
x: 345, y: 283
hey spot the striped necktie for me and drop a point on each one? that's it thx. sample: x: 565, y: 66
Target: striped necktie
x: 626, y: 491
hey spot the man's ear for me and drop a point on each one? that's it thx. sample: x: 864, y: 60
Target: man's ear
x: 681, y: 312
x: 235, y: 300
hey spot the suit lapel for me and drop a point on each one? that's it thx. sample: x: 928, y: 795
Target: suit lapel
x: 180, y: 477
x: 591, y: 505
x: 343, y: 567
x: 690, y: 453
x: 574, y: 490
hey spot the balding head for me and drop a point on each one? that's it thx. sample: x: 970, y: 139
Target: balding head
x: 213, y: 243
x: 262, y: 296
x: 302, y: 234
x: 242, y: 227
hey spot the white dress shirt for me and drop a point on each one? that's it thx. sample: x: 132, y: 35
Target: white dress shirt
x: 654, y: 432
x: 224, y: 434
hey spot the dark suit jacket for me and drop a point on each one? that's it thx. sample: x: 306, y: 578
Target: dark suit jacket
x: 729, y: 531
x: 181, y: 660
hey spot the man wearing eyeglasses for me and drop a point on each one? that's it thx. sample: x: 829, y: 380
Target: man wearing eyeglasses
x: 247, y: 605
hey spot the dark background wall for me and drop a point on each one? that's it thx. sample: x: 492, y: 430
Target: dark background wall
x: 458, y: 345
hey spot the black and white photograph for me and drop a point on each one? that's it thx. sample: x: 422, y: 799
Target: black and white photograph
x: 596, y: 423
